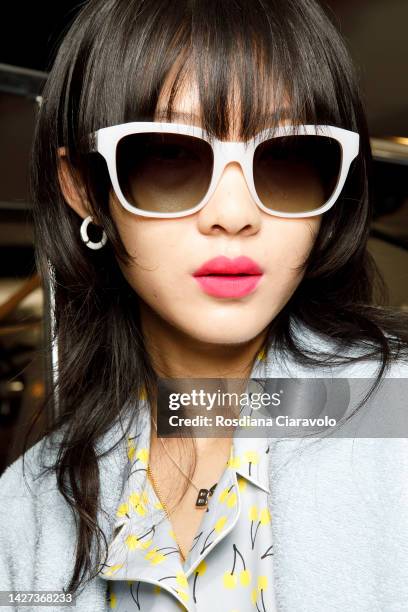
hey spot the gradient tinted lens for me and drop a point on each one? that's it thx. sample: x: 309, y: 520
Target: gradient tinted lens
x: 164, y: 172
x: 295, y: 174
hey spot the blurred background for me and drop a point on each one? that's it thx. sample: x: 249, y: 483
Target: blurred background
x: 376, y: 34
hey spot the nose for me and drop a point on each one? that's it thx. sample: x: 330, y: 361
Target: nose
x: 231, y: 208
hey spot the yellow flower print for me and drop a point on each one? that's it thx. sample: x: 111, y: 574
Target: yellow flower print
x: 123, y: 510
x: 242, y: 483
x: 234, y: 461
x: 152, y: 552
x: 158, y: 558
x: 133, y: 543
x: 155, y: 557
x: 229, y: 580
x: 264, y: 519
x: 232, y: 500
x: 143, y: 454
x: 199, y: 571
x: 223, y: 495
x: 253, y: 513
x: 245, y: 577
x: 201, y: 568
x: 244, y: 574
x: 182, y: 594
x: 228, y: 496
x: 130, y: 450
x: 219, y: 525
x: 262, y: 585
x: 138, y: 502
x: 262, y: 582
x: 264, y: 516
x: 252, y: 456
x: 113, y: 569
x: 182, y: 579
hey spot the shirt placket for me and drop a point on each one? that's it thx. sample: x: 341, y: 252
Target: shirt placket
x: 219, y: 519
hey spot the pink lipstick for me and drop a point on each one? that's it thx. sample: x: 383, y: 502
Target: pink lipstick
x: 223, y: 277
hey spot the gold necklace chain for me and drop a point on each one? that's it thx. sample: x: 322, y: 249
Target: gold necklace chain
x: 203, y: 494
x: 156, y: 488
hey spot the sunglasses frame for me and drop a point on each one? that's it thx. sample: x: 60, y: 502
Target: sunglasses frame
x: 105, y: 141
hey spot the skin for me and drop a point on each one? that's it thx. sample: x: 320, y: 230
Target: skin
x: 189, y: 333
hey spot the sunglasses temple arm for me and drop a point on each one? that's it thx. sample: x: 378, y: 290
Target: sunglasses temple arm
x: 89, y: 143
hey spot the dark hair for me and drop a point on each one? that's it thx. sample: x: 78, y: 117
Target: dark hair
x: 110, y: 68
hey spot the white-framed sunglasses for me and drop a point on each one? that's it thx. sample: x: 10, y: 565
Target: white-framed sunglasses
x: 169, y: 170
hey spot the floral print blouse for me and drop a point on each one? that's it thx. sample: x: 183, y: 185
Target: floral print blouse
x: 229, y: 567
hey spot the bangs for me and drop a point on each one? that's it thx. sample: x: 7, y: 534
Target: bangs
x: 254, y: 64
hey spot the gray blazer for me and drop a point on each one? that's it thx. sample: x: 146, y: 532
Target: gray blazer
x: 339, y: 517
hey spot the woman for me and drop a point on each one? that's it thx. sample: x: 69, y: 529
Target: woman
x: 232, y: 243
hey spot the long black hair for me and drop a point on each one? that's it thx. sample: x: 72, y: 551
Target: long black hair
x: 110, y: 68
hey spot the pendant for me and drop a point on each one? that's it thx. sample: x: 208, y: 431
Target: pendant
x: 203, y: 495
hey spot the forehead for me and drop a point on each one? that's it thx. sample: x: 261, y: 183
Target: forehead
x: 185, y: 104
x: 186, y: 108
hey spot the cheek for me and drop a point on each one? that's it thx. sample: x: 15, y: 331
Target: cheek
x: 286, y: 254
x: 160, y: 252
x: 157, y: 252
x: 291, y: 244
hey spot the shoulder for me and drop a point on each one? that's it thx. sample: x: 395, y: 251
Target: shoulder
x: 336, y: 360
x: 25, y: 498
x: 36, y: 518
x: 369, y: 406
x: 22, y: 488
x: 18, y: 477
x: 31, y: 503
x: 28, y: 477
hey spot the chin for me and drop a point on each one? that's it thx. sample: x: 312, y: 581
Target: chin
x: 226, y: 335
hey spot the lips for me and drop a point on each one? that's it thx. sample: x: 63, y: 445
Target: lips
x: 231, y: 267
x: 223, y: 277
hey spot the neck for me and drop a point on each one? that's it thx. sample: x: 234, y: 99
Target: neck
x: 175, y: 355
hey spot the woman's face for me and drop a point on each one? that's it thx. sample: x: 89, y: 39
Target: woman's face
x: 167, y: 253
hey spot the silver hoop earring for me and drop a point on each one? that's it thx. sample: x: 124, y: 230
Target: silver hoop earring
x: 86, y: 239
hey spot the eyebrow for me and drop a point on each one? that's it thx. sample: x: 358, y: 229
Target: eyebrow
x: 282, y: 113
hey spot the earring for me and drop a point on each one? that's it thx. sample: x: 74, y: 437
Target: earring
x: 86, y: 239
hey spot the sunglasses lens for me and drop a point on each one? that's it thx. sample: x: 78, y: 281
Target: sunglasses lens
x: 164, y: 172
x: 294, y: 174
